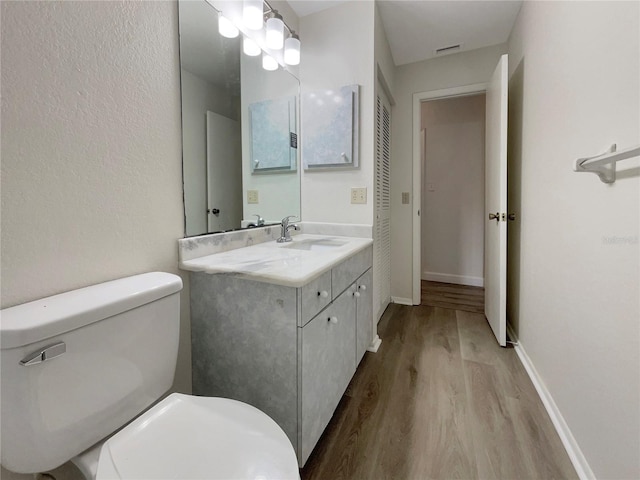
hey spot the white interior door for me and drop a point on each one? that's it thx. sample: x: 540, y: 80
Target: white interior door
x: 495, y: 232
x: 224, y: 173
x: 382, y: 227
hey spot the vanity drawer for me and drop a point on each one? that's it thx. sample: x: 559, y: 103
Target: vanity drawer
x: 348, y: 271
x: 314, y: 296
x: 328, y: 363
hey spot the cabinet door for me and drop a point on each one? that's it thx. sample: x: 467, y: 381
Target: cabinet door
x: 328, y: 363
x: 364, y: 316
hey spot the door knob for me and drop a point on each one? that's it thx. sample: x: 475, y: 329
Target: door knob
x: 494, y: 216
x: 512, y: 216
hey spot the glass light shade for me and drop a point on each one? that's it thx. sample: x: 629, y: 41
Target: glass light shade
x: 268, y: 62
x: 275, y: 32
x: 252, y: 14
x: 226, y: 28
x: 251, y: 48
x: 292, y: 50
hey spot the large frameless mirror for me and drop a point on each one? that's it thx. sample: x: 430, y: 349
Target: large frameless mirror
x: 239, y: 130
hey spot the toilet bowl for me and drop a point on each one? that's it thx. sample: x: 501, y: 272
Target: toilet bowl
x: 196, y: 438
x: 78, y: 366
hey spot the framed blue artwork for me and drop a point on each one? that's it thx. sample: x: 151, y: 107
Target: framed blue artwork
x: 330, y: 128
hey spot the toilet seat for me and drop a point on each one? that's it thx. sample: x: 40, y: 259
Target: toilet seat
x: 191, y: 437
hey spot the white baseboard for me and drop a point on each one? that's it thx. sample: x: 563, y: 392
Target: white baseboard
x: 457, y: 279
x: 568, y: 440
x: 375, y: 345
x: 402, y: 301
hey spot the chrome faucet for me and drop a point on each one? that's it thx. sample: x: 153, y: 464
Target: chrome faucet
x: 285, y: 236
x: 260, y: 221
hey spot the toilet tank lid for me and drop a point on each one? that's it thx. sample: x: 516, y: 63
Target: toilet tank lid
x: 41, y: 319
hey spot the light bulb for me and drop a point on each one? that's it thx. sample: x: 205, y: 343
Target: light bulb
x: 275, y: 31
x: 226, y: 28
x: 292, y: 50
x: 249, y: 47
x: 268, y: 62
x: 252, y: 14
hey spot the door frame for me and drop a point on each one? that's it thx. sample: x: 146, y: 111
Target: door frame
x: 418, y: 99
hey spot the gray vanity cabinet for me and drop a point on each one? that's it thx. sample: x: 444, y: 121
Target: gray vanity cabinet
x: 288, y: 351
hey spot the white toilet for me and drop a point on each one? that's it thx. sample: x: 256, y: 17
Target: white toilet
x: 78, y: 366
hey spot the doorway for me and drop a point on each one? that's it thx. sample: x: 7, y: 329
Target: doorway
x: 495, y: 169
x: 452, y: 218
x: 442, y: 109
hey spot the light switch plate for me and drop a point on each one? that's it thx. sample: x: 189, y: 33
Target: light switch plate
x: 252, y: 196
x: 405, y: 198
x: 359, y: 195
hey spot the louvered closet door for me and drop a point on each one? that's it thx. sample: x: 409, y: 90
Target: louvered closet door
x: 382, y: 227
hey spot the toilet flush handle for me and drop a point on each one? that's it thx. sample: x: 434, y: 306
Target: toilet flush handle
x: 44, y: 354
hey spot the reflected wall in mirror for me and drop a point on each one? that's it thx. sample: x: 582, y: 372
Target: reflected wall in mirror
x: 221, y: 89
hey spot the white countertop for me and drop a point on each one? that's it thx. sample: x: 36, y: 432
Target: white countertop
x: 281, y: 263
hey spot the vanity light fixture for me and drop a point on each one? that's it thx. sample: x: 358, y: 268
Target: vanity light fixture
x: 250, y: 48
x: 268, y: 62
x: 226, y: 28
x: 275, y: 31
x: 253, y: 14
x: 292, y: 49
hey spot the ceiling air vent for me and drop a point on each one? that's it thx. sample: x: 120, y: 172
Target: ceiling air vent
x: 449, y: 49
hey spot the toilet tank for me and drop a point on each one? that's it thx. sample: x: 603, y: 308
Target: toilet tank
x: 109, y: 352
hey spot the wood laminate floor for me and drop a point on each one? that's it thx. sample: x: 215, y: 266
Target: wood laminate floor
x: 440, y: 400
x: 449, y: 295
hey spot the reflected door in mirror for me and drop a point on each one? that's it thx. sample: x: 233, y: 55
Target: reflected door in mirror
x: 224, y: 173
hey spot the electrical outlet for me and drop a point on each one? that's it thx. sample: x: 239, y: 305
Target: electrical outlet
x: 359, y: 195
x: 405, y: 198
x: 252, y: 196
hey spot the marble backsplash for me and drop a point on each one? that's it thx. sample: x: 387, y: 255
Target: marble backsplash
x: 337, y: 229
x: 203, y: 245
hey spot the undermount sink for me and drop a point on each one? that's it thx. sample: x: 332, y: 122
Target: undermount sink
x: 317, y: 245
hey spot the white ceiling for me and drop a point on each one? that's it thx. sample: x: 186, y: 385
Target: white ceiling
x: 307, y: 7
x: 416, y: 28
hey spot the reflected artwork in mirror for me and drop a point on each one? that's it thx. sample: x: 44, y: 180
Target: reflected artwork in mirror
x: 239, y: 130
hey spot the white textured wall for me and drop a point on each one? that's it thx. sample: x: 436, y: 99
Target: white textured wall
x: 337, y: 50
x: 464, y: 68
x: 385, y: 67
x: 91, y: 149
x: 453, y: 206
x: 574, y: 296
x: 198, y: 96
